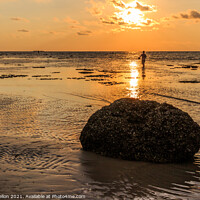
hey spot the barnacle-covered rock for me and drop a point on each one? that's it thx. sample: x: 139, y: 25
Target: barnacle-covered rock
x: 134, y: 129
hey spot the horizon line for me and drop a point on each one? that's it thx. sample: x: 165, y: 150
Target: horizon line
x: 41, y: 51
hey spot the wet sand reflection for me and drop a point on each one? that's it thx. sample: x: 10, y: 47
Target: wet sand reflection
x: 131, y: 179
x: 134, y: 81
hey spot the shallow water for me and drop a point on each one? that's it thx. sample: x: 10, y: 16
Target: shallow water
x: 42, y: 116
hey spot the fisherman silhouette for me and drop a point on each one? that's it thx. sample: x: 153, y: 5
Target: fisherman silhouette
x: 144, y: 56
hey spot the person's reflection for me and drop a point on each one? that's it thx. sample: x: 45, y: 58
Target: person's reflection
x: 143, y: 73
x: 134, y: 81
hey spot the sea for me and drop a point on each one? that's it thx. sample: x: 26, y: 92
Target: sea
x: 46, y: 98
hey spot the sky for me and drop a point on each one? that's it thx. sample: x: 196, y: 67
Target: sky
x: 100, y: 25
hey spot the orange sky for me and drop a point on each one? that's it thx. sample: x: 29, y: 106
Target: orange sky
x: 99, y: 25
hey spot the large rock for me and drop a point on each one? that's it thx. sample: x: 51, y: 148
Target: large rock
x: 142, y: 130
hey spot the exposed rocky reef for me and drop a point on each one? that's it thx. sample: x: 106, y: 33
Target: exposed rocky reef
x: 192, y: 81
x: 12, y: 76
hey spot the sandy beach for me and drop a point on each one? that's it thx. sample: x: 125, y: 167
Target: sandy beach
x: 47, y: 98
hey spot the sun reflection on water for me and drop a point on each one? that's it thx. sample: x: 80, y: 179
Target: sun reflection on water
x: 134, y: 92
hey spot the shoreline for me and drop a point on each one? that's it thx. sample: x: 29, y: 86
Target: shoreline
x: 41, y: 121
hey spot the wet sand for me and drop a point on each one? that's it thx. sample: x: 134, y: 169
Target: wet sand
x: 46, y: 102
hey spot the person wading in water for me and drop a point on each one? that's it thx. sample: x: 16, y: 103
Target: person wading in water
x: 144, y: 56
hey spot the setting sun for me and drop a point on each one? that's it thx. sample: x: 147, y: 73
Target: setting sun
x: 131, y: 15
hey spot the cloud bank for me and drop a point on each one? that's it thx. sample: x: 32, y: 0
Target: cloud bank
x: 124, y: 15
x: 190, y: 14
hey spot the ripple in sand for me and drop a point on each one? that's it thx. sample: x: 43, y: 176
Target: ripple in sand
x: 31, y: 154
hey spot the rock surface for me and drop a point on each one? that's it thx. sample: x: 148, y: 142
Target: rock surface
x: 133, y: 129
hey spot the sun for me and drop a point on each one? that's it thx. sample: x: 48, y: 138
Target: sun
x: 131, y: 16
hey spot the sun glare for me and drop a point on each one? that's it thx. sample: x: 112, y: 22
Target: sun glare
x: 132, y: 16
x: 134, y: 80
x: 133, y: 64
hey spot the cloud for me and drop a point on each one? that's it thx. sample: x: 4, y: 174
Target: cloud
x: 42, y: 1
x: 148, y: 22
x: 191, y: 14
x: 120, y: 15
x: 93, y: 23
x: 107, y: 21
x: 96, y: 8
x: 74, y: 26
x: 119, y: 4
x: 84, y: 33
x: 23, y: 30
x: 133, y: 4
x: 36, y: 1
x: 52, y: 33
x: 69, y: 20
x: 19, y: 19
x: 56, y: 19
x: 56, y: 33
x: 7, y: 0
x: 143, y: 7
x: 131, y: 16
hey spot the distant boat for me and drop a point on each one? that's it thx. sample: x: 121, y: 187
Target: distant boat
x: 38, y: 51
